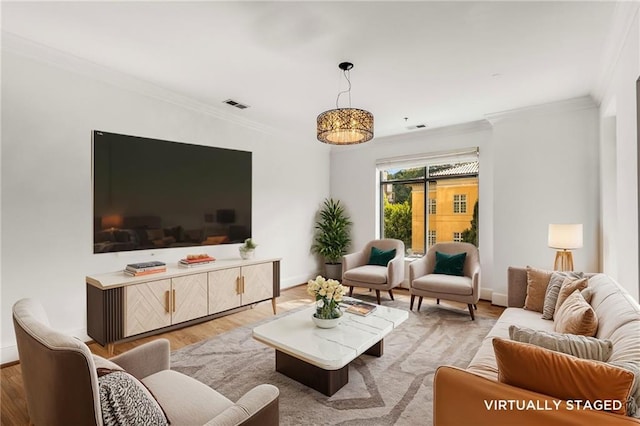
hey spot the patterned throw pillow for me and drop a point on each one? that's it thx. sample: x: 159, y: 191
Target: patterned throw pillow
x: 537, y: 282
x: 576, y: 316
x: 581, y: 346
x: 553, y: 289
x: 126, y: 401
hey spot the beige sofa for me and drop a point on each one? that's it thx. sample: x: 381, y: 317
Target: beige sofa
x: 62, y: 387
x: 619, y: 321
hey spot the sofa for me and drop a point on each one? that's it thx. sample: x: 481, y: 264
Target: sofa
x: 476, y: 388
x: 65, y: 384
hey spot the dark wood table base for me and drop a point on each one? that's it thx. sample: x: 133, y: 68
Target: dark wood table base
x: 326, y: 381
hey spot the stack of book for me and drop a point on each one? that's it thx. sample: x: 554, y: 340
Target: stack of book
x: 145, y: 268
x: 196, y: 260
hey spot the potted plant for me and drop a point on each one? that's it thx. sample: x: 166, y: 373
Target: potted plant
x: 332, y: 237
x: 247, y: 249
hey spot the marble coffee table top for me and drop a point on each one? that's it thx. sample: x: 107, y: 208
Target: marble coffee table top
x: 332, y: 348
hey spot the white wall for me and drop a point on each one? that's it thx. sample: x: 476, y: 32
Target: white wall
x: 537, y: 166
x: 546, y: 171
x: 48, y: 113
x: 619, y: 147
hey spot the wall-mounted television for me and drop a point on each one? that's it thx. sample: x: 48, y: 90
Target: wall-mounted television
x: 152, y: 194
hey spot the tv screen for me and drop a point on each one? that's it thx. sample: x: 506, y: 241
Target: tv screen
x: 150, y: 194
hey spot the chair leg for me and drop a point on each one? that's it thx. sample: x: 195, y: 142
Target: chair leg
x: 413, y: 297
x: 471, y: 311
x: 437, y: 301
x: 475, y: 307
x: 350, y: 291
x: 419, y: 302
x: 391, y: 295
x: 378, y: 296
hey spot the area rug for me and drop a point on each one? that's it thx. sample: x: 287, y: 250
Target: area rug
x: 395, y: 389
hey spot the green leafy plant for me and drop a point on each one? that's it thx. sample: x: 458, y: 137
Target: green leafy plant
x: 332, y: 232
x: 249, y: 244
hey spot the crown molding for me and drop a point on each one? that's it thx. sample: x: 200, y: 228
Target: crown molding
x: 17, y: 45
x: 623, y: 17
x: 574, y: 104
x: 453, y: 129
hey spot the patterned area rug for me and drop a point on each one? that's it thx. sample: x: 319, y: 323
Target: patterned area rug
x: 395, y: 389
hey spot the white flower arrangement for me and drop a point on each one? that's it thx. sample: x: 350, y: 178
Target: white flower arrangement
x: 328, y: 295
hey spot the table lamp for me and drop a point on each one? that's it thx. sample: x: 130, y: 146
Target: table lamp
x: 565, y: 237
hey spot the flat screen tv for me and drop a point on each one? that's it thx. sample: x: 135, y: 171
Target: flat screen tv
x: 151, y: 194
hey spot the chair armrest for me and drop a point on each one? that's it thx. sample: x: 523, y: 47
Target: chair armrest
x: 259, y: 406
x: 353, y: 260
x: 475, y: 280
x: 417, y: 269
x: 396, y: 270
x: 145, y: 359
x: 453, y: 387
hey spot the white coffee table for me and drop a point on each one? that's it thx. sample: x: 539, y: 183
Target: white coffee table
x: 319, y: 358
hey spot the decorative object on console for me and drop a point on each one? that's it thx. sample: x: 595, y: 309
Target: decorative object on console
x: 196, y: 260
x: 247, y: 249
x: 345, y: 126
x: 328, y: 295
x: 332, y: 237
x: 145, y: 268
x: 565, y: 237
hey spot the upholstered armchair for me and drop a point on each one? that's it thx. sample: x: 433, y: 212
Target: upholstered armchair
x: 62, y: 386
x: 358, y: 270
x: 462, y: 287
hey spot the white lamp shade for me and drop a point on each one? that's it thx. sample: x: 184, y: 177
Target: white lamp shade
x: 565, y: 236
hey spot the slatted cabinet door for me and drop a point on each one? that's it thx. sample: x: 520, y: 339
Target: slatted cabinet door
x: 258, y: 282
x: 189, y: 297
x: 147, y: 307
x: 224, y: 290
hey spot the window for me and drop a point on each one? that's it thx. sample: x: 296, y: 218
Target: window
x: 460, y: 203
x: 432, y: 238
x: 457, y: 237
x: 432, y: 206
x: 416, y: 197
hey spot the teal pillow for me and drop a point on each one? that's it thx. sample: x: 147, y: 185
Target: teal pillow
x: 381, y: 257
x: 450, y: 264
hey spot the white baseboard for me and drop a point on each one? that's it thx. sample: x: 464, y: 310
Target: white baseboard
x: 499, y: 299
x: 8, y: 354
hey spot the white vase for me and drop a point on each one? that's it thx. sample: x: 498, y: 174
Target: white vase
x: 246, y: 253
x: 325, y: 323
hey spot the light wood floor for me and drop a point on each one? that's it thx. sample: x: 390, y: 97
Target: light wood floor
x: 13, y: 405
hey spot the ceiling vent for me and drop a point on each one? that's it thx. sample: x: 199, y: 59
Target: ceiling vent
x: 235, y: 104
x: 417, y: 126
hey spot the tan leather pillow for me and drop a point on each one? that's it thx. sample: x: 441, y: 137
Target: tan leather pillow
x: 576, y: 316
x: 560, y: 375
x: 537, y: 282
x: 569, y: 285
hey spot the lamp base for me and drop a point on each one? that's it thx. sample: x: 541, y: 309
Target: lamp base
x: 564, y: 261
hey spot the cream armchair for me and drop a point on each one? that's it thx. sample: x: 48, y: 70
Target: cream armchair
x: 62, y: 386
x: 424, y: 283
x: 357, y: 273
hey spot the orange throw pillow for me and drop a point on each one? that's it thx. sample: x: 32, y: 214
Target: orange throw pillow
x: 560, y: 375
x: 537, y: 282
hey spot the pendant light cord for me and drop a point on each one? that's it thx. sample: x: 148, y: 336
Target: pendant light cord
x: 346, y: 76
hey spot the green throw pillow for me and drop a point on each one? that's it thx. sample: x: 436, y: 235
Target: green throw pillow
x: 381, y: 257
x: 450, y: 264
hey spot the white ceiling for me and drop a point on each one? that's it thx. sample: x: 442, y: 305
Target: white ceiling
x: 437, y: 63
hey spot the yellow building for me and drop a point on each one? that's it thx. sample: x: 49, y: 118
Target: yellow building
x: 452, y: 195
